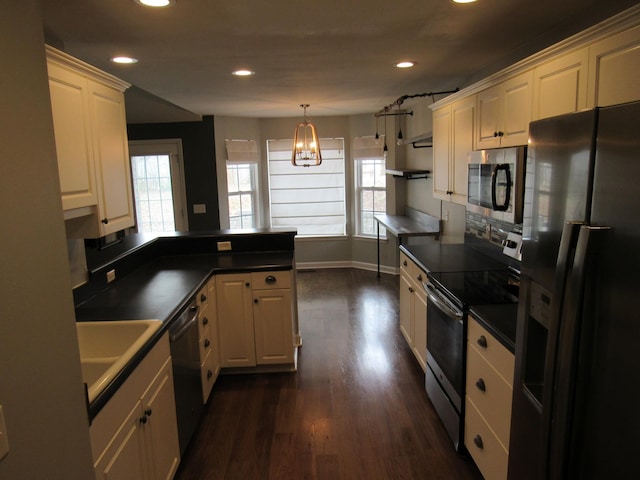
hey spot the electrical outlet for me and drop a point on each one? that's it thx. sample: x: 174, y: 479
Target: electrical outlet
x: 224, y: 246
x: 111, y: 276
x: 4, y: 441
x: 199, y: 208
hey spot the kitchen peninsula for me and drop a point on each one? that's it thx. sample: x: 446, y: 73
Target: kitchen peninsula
x: 237, y: 289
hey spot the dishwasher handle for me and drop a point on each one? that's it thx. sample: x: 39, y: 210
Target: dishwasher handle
x: 442, y: 304
x: 182, y: 324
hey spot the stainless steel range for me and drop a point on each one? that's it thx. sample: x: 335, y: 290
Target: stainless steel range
x: 449, y: 296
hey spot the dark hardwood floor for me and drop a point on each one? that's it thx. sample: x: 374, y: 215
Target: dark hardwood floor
x: 356, y: 408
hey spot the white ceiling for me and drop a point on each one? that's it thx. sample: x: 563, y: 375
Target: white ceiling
x: 336, y: 55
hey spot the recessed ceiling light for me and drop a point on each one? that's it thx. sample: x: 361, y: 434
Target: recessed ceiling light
x: 405, y: 64
x: 243, y: 73
x: 155, y: 3
x: 124, y: 60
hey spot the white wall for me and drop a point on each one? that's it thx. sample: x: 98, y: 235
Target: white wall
x: 40, y: 380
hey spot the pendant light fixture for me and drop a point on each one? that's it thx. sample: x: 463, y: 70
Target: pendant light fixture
x: 306, y: 146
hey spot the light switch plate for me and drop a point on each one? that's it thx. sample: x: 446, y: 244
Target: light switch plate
x: 111, y: 276
x: 199, y: 208
x: 4, y: 441
x: 224, y: 246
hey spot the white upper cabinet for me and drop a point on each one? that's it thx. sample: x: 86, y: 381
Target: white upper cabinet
x: 614, y: 63
x: 504, y: 113
x: 560, y: 85
x: 453, y: 131
x: 92, y: 147
x: 71, y: 117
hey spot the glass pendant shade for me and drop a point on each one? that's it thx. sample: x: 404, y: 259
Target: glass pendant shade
x: 306, y: 146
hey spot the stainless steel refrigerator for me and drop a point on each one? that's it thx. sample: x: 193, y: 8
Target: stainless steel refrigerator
x: 576, y: 397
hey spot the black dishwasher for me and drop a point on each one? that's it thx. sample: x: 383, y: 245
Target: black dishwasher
x: 185, y: 356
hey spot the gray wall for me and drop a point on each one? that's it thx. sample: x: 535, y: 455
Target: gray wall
x: 40, y: 380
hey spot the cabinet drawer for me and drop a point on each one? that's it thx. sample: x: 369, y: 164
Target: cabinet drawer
x: 205, y: 317
x: 205, y: 343
x: 491, y: 349
x: 202, y: 298
x: 207, y: 375
x: 411, y: 270
x: 270, y: 280
x: 490, y: 456
x: 490, y: 393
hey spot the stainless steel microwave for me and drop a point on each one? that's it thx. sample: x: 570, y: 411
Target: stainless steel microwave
x: 495, y: 183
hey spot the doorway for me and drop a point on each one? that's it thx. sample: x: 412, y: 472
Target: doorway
x: 157, y: 173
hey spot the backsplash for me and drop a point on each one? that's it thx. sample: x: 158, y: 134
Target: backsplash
x: 487, y: 235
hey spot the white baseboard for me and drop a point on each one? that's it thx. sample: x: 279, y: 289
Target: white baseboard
x: 373, y: 267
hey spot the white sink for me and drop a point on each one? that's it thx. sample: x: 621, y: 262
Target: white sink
x: 106, y: 347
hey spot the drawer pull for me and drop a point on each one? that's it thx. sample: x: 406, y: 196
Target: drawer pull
x: 270, y: 279
x: 482, y: 341
x: 205, y: 321
x: 478, y: 441
x: 404, y: 263
x: 209, y: 374
x: 480, y: 385
x: 419, y: 277
x: 207, y: 343
x: 203, y: 297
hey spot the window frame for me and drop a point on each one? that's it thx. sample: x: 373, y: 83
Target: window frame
x: 253, y: 169
x: 362, y: 154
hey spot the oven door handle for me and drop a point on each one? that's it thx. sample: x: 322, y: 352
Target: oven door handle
x: 449, y: 310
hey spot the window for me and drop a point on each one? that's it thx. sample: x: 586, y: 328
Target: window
x: 158, y: 186
x: 370, y: 178
x: 241, y: 188
x: 242, y: 161
x: 311, y: 199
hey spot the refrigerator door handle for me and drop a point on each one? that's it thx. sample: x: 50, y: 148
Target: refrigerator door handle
x: 561, y: 402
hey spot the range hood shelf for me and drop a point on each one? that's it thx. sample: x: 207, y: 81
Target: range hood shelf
x: 409, y: 174
x: 420, y: 141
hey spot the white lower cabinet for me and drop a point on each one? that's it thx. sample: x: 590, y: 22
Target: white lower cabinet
x: 413, y: 308
x: 489, y: 388
x: 208, y: 337
x: 255, y: 318
x: 135, y: 435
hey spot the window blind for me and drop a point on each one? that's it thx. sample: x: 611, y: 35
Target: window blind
x: 311, y: 199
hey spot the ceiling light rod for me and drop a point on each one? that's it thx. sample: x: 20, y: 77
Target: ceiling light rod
x: 306, y: 146
x: 386, y: 111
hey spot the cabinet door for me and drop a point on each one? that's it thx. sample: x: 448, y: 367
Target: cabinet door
x: 488, y: 124
x: 161, y: 429
x: 504, y: 113
x: 273, y: 323
x: 441, y: 152
x: 111, y: 152
x: 614, y: 64
x: 406, y: 309
x: 420, y: 327
x: 125, y: 458
x: 463, y: 121
x: 560, y: 85
x: 516, y: 110
x: 70, y: 109
x: 235, y: 320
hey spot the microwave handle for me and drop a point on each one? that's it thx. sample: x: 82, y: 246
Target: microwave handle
x: 494, y: 179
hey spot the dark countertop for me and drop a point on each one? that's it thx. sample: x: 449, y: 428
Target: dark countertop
x: 160, y: 289
x: 499, y: 320
x: 435, y: 257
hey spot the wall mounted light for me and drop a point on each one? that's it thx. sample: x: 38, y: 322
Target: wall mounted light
x: 306, y: 146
